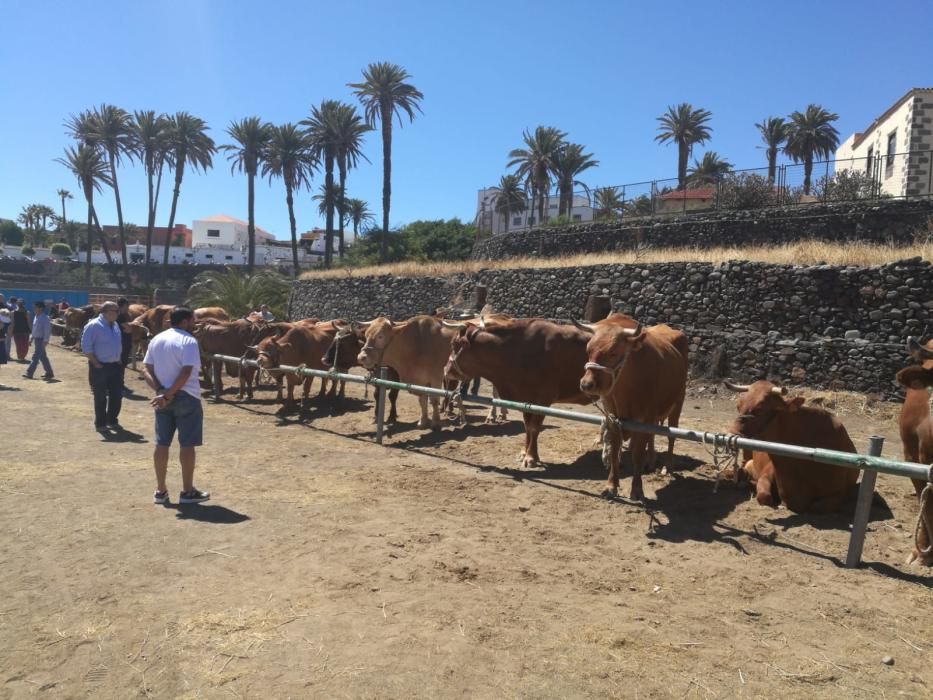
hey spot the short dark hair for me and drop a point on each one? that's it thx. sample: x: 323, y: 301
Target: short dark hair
x: 122, y: 301
x: 179, y: 314
x: 39, y: 304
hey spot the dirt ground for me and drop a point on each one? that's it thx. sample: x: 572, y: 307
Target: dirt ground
x: 327, y: 566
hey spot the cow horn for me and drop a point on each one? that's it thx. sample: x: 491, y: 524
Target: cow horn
x: 452, y: 324
x: 917, y: 350
x: 361, y: 324
x: 482, y: 322
x: 632, y: 332
x: 588, y: 327
x: 737, y: 388
x: 339, y: 323
x: 779, y: 390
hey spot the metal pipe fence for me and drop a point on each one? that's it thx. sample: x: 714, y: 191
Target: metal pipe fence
x: 870, y: 464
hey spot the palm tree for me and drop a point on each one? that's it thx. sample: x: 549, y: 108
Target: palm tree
x: 638, y: 206
x: 63, y: 195
x: 327, y: 198
x: 188, y: 144
x: 89, y: 168
x: 72, y: 233
x: 509, y: 198
x: 535, y: 163
x: 150, y: 144
x: 289, y: 156
x: 773, y: 132
x: 322, y: 130
x: 383, y: 93
x: 684, y: 126
x: 349, y: 128
x: 810, y: 134
x: 569, y: 162
x: 358, y: 213
x: 238, y: 293
x: 709, y: 170
x: 252, y: 138
x: 608, y: 202
x: 110, y: 131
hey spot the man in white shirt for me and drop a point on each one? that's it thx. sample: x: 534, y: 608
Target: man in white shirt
x: 171, y: 364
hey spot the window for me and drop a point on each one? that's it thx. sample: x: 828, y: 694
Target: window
x: 516, y: 221
x: 228, y: 257
x: 531, y: 220
x: 869, y: 161
x: 892, y: 147
x: 189, y: 255
x: 552, y: 206
x: 209, y: 256
x: 213, y: 233
x: 578, y: 217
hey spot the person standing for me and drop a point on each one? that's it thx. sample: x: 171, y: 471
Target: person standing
x: 171, y: 367
x: 22, y: 327
x: 41, y: 335
x: 5, y: 321
x: 126, y: 338
x: 101, y: 343
x: 8, y: 336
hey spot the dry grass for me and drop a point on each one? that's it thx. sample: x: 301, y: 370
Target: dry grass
x: 803, y: 253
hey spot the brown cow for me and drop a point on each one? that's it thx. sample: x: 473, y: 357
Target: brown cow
x: 233, y: 338
x: 639, y: 375
x: 155, y: 320
x: 300, y: 345
x: 75, y: 319
x: 343, y: 354
x: 529, y: 360
x: 916, y: 427
x: 417, y: 349
x: 765, y: 413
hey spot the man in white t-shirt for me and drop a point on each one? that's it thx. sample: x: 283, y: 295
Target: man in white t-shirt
x: 171, y: 364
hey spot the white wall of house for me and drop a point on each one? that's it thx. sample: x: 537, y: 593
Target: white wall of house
x: 224, y: 234
x: 487, y: 218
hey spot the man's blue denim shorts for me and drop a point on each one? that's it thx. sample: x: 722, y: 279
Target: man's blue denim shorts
x: 183, y: 414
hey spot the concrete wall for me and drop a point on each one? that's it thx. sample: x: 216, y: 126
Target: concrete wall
x: 880, y: 221
x: 822, y: 326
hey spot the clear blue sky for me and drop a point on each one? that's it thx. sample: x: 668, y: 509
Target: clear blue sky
x: 602, y: 71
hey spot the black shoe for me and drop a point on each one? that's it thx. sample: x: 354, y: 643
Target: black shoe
x: 48, y: 376
x: 27, y: 376
x: 193, y: 496
x: 114, y: 426
x: 100, y: 429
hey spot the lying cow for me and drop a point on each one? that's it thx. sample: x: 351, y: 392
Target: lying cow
x: 766, y: 413
x: 639, y: 375
x: 916, y: 427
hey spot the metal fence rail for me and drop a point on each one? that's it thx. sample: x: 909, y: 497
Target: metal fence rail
x: 870, y: 464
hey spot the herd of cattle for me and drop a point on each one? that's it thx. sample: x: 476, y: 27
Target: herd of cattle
x: 631, y: 371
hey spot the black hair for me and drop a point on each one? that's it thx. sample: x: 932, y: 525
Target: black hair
x: 39, y: 304
x: 180, y: 314
x: 122, y: 301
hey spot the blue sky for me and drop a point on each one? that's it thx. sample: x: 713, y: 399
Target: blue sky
x: 601, y: 71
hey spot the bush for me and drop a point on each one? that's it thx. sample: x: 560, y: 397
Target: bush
x: 61, y: 250
x: 747, y: 191
x: 27, y: 250
x: 10, y: 233
x: 424, y: 241
x: 846, y: 186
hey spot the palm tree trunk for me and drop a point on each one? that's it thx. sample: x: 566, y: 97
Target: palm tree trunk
x: 683, y: 152
x: 150, y: 218
x: 179, y: 174
x: 772, y: 165
x: 807, y: 171
x: 341, y: 199
x: 103, y: 238
x: 120, y: 229
x: 541, y: 193
x: 251, y: 220
x: 64, y: 219
x: 386, y: 116
x: 291, y: 220
x: 90, y: 220
x: 508, y: 215
x: 329, y: 209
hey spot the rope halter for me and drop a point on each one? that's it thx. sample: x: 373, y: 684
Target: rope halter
x: 924, y: 522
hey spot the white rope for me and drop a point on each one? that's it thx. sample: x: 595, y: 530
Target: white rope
x: 923, y: 522
x: 725, y: 454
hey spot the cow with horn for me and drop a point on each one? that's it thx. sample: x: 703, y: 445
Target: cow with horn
x: 916, y: 428
x: 301, y: 345
x: 343, y: 354
x: 637, y: 374
x: 767, y: 413
x: 496, y: 414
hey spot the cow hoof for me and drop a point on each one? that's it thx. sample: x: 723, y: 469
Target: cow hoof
x: 917, y: 560
x: 530, y: 463
x: 664, y: 471
x: 608, y: 494
x: 638, y: 496
x: 423, y: 424
x: 490, y: 421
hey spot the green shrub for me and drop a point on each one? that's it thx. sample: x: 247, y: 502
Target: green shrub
x: 27, y: 250
x: 747, y: 191
x: 61, y: 250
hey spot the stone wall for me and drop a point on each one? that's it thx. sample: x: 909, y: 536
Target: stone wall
x: 878, y: 221
x: 823, y: 326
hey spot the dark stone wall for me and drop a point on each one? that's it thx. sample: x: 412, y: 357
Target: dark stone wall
x: 878, y: 221
x: 823, y: 326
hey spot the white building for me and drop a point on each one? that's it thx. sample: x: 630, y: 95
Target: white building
x: 895, y: 150
x: 223, y: 231
x: 489, y: 221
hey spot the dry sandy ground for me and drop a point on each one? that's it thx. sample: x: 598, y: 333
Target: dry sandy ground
x: 327, y: 566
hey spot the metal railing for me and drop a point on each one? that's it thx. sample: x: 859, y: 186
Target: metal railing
x: 870, y: 464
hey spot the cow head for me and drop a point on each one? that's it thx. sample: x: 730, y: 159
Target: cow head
x: 918, y: 376
x: 269, y: 352
x: 758, y: 404
x: 377, y: 334
x: 606, y: 353
x: 460, y: 344
x: 344, y: 348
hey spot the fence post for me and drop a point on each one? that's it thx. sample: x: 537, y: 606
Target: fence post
x: 479, y: 296
x: 216, y: 367
x: 381, y: 405
x: 597, y: 308
x: 866, y: 492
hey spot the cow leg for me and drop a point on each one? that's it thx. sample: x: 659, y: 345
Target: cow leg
x: 332, y: 394
x: 533, y: 424
x: 612, y: 454
x: 766, y: 488
x: 278, y: 385
x: 673, y: 421
x: 393, y: 411
x: 435, y: 413
x: 638, y: 447
x: 423, y: 421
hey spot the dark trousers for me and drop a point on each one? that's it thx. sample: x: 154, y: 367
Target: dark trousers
x: 126, y: 348
x: 39, y: 355
x: 107, y: 387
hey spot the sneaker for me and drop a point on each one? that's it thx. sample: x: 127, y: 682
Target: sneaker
x: 100, y: 429
x: 114, y: 426
x: 193, y: 496
x: 48, y: 376
x: 160, y: 497
x: 27, y: 376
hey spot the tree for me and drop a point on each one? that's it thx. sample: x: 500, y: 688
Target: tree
x: 638, y: 206
x: 383, y: 93
x: 321, y: 129
x: 358, y: 213
x: 110, y: 131
x: 240, y: 293
x: 252, y: 138
x: 569, y: 162
x: 289, y: 156
x: 89, y: 168
x: 746, y: 191
x: 151, y: 145
x: 63, y: 195
x: 10, y: 233
x: 535, y: 163
x: 349, y: 129
x: 847, y: 185
x: 27, y: 250
x: 188, y: 144
x: 608, y: 201
x: 709, y: 170
x: 61, y: 250
x: 811, y: 134
x: 509, y: 198
x: 685, y: 126
x: 773, y: 132
x: 73, y: 234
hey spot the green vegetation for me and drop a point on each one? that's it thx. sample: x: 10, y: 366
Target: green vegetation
x: 61, y: 250
x: 418, y: 241
x: 238, y: 293
x: 686, y: 126
x: 811, y: 134
x: 10, y: 233
x: 27, y: 250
